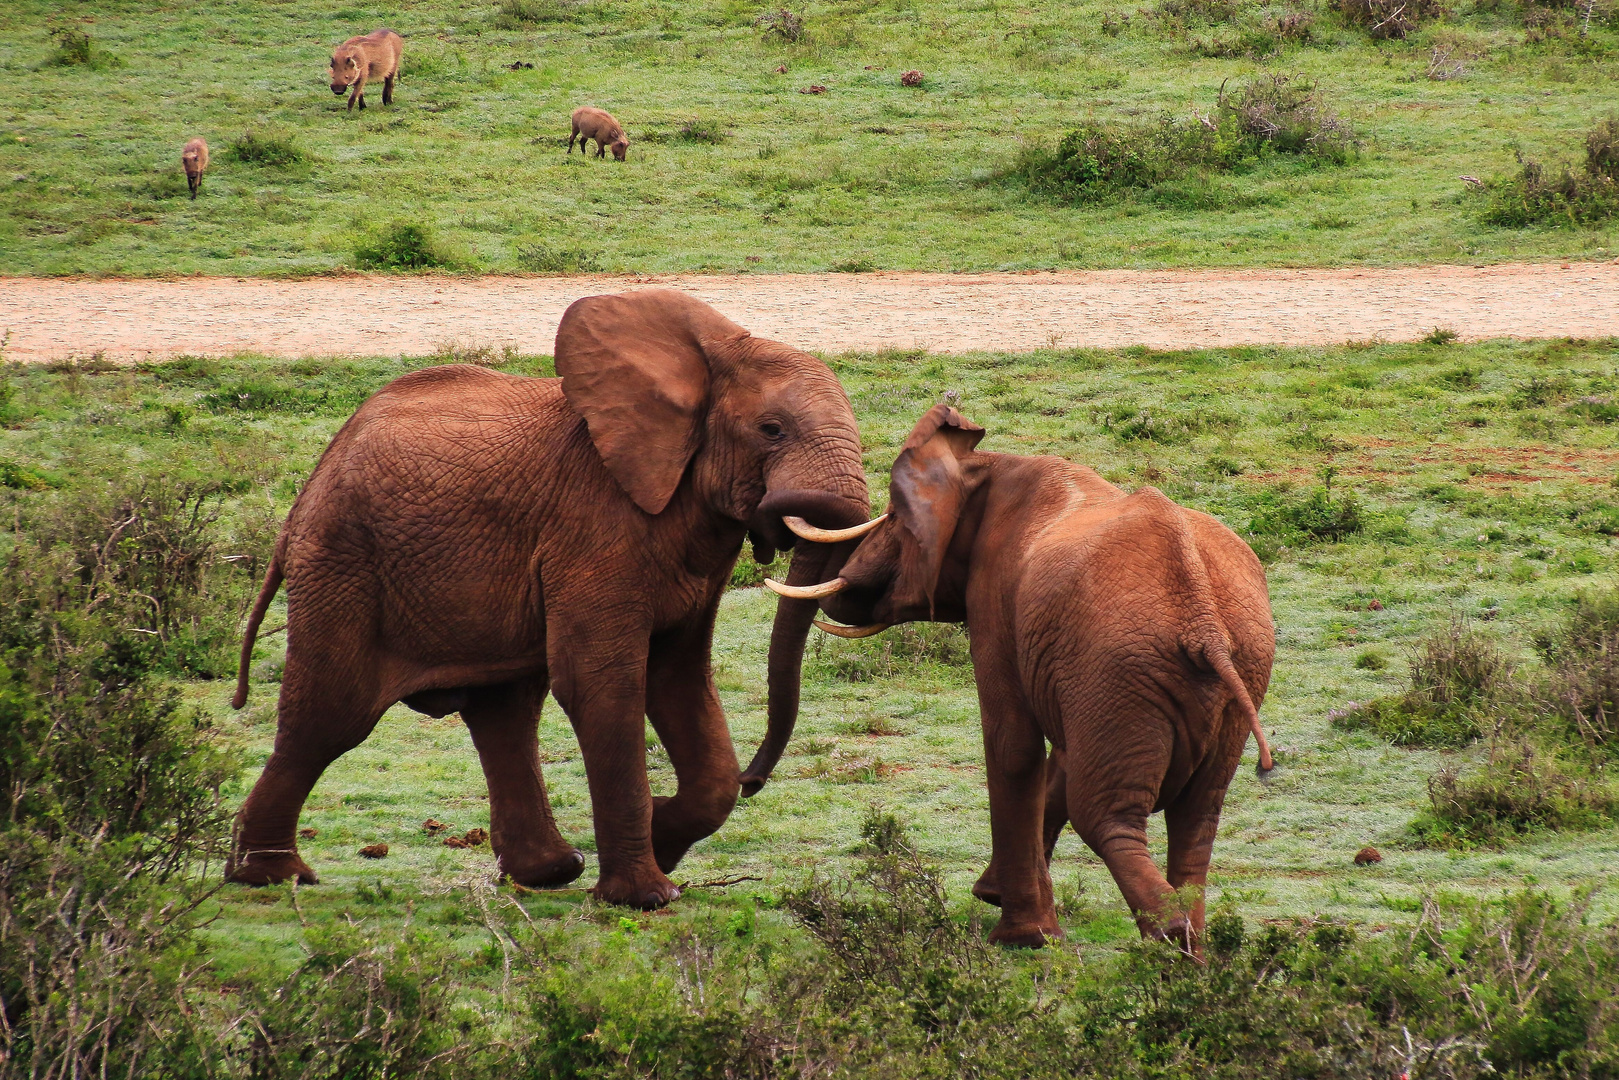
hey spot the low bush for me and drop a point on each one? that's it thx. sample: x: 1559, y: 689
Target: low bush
x: 902, y: 648
x: 781, y: 24
x: 1579, y: 691
x: 702, y: 130
x: 75, y: 48
x: 543, y: 258
x: 274, y: 149
x: 1317, y: 516
x: 1522, y: 789
x: 1390, y: 19
x: 1542, y: 195
x: 401, y: 246
x: 1460, y: 679
x: 1268, y: 114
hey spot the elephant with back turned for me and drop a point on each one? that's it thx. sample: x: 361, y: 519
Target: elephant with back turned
x: 1133, y: 635
x: 471, y: 539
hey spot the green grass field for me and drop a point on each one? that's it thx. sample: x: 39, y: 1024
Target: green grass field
x: 868, y: 175
x: 1486, y: 475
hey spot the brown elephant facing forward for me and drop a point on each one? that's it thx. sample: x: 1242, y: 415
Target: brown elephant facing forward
x: 471, y: 539
x: 1132, y: 634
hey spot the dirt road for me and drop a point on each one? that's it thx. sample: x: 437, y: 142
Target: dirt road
x: 132, y: 320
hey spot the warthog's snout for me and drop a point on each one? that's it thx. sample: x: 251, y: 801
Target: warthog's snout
x: 338, y: 88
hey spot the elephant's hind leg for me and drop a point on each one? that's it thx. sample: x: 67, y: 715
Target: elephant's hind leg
x: 324, y: 712
x: 528, y: 847
x: 685, y: 711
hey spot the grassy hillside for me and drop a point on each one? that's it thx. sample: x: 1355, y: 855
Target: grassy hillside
x: 732, y: 168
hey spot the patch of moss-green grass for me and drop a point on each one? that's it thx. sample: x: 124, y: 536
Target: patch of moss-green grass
x: 733, y: 167
x: 1486, y: 519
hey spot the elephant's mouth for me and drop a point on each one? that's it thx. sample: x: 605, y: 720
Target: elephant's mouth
x: 821, y: 516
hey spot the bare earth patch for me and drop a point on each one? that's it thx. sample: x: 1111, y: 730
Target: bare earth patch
x: 51, y: 319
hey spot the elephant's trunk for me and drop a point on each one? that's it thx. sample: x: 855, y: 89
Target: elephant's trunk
x: 786, y: 665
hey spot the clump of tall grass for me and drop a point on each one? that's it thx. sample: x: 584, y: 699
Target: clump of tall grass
x: 1543, y: 195
x: 1459, y: 678
x: 276, y: 149
x: 1268, y: 114
x: 1389, y: 19
x: 402, y: 245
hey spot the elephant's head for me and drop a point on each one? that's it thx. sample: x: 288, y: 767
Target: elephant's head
x: 913, y: 566
x: 675, y: 393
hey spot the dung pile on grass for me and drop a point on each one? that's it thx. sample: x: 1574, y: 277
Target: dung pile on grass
x: 1271, y: 114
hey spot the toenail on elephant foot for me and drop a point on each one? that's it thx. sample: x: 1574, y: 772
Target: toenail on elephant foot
x: 547, y: 873
x: 988, y: 888
x: 1022, y: 935
x: 260, y: 868
x: 635, y: 894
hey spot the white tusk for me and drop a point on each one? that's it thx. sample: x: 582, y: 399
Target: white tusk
x: 831, y: 536
x: 807, y: 592
x: 852, y: 631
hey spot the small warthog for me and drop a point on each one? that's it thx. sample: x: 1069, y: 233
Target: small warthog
x: 194, y: 158
x: 591, y: 123
x: 374, y: 56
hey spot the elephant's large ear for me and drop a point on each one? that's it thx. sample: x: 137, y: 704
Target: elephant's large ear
x: 635, y: 366
x: 926, y: 493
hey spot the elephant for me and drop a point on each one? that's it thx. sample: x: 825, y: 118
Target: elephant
x: 470, y: 540
x: 1133, y: 635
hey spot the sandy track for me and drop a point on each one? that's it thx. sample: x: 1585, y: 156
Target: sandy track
x: 131, y: 320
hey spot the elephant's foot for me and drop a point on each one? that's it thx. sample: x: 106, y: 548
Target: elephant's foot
x: 646, y: 892
x: 269, y: 868
x: 1178, y: 932
x: 988, y: 887
x: 544, y: 872
x: 677, y: 824
x: 1025, y: 935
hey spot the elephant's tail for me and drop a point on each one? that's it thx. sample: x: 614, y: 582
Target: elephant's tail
x: 272, y: 582
x: 1218, y: 655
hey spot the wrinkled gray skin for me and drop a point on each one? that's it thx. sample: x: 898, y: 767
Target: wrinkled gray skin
x: 471, y: 540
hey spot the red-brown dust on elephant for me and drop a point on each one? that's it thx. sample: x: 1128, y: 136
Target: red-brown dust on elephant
x: 471, y: 540
x: 1132, y: 635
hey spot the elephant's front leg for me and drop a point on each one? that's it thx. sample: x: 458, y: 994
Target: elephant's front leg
x: 685, y: 711
x: 598, y: 671
x: 528, y: 847
x: 1014, y: 764
x: 1055, y: 819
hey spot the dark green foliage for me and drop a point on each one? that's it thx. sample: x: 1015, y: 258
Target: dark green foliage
x: 75, y: 48
x: 1389, y: 19
x: 1441, y: 335
x: 1539, y: 195
x: 1522, y: 789
x: 1269, y: 114
x: 543, y: 258
x: 273, y: 149
x: 1317, y: 516
x: 903, y: 648
x: 702, y: 130
x: 400, y: 246
x: 1458, y: 676
x: 746, y: 573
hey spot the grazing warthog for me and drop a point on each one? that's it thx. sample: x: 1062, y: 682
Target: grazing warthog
x: 374, y: 56
x: 591, y: 123
x: 194, y: 158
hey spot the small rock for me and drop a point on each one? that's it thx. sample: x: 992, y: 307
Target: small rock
x: 475, y: 837
x: 1366, y: 856
x: 1375, y: 605
x: 814, y: 88
x: 375, y: 851
x: 911, y: 78
x: 432, y: 826
x: 455, y: 842
x: 307, y: 833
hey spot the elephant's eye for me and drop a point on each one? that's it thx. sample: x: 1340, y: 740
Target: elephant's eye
x: 770, y: 429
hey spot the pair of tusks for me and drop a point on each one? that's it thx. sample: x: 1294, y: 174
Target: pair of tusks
x: 804, y: 529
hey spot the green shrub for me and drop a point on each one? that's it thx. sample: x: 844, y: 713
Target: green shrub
x: 400, y: 246
x: 1269, y: 113
x: 1549, y: 196
x: 1579, y: 691
x: 274, y: 149
x: 781, y: 24
x: 702, y: 130
x: 1389, y: 19
x: 75, y: 48
x: 900, y: 649
x: 1459, y: 680
x: 1317, y: 516
x: 748, y: 574
x: 1523, y: 789
x: 543, y: 258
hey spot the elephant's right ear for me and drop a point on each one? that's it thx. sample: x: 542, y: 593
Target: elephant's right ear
x: 926, y: 492
x: 635, y: 366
